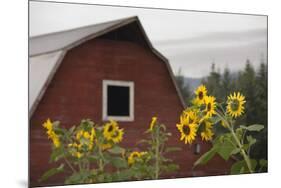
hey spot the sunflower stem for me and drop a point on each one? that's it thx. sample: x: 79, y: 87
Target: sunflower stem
x: 157, y: 154
x: 101, y: 166
x: 219, y: 105
x: 243, y: 152
x: 69, y: 164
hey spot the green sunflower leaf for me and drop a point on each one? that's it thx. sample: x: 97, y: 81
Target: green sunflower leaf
x: 78, y: 177
x: 143, y: 141
x: 226, y: 149
x: 235, y: 151
x: 57, y: 154
x: 206, y: 157
x: 119, y: 162
x: 215, y: 120
x: 116, y: 150
x: 170, y: 168
x: 93, y: 158
x: 251, y: 140
x: 172, y: 149
x: 255, y: 127
x: 239, y: 133
x: 241, y: 167
x: 52, y: 172
x: 71, y: 130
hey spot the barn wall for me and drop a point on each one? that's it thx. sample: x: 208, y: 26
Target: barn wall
x: 76, y: 92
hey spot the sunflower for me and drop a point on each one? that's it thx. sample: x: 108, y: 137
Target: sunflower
x: 210, y: 105
x: 92, y: 138
x: 79, y: 134
x: 112, y: 132
x: 75, y: 149
x: 190, y: 115
x: 187, y: 129
x: 51, y: 133
x: 48, y: 125
x: 78, y: 154
x: 117, y: 136
x: 152, y: 123
x: 106, y: 146
x: 200, y: 93
x: 134, y: 156
x: 93, y: 135
x: 88, y: 138
x: 109, y: 129
x: 207, y: 133
x: 235, y: 104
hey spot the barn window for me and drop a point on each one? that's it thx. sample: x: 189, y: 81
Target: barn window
x: 118, y: 100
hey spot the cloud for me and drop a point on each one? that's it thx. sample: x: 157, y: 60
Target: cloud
x: 226, y: 49
x: 197, y: 63
x: 245, y: 36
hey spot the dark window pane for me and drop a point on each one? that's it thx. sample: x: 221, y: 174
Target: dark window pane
x: 118, y: 101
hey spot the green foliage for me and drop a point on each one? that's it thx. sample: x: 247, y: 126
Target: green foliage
x: 226, y: 146
x: 119, y: 162
x: 253, y: 84
x: 52, y: 172
x: 255, y: 127
x: 240, y: 167
x: 88, y: 150
x: 57, y: 154
x: 204, y: 159
x: 153, y: 162
x: 235, y: 142
x: 82, y: 150
x: 116, y: 150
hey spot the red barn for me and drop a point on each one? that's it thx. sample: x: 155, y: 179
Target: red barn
x: 102, y: 71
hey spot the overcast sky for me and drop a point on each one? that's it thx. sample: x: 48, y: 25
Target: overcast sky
x: 190, y: 40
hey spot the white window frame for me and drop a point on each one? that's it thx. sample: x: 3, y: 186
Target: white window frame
x: 105, y: 84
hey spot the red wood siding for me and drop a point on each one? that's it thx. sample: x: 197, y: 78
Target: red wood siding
x: 76, y: 92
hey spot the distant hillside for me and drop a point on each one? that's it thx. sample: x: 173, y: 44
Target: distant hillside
x: 192, y: 82
x: 195, y: 82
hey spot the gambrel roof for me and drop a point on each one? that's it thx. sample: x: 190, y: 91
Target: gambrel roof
x: 46, y: 52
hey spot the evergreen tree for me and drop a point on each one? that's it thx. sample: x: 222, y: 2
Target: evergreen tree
x: 261, y: 90
x: 260, y: 149
x: 247, y: 85
x: 183, y: 86
x: 213, y: 82
x: 227, y: 84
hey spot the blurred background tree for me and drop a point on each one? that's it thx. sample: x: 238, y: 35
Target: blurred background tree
x: 183, y: 86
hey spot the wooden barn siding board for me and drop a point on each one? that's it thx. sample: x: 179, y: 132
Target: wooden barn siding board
x: 76, y: 92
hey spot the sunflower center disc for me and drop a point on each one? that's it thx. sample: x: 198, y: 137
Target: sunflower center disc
x: 209, y: 106
x: 186, y: 129
x: 116, y: 134
x: 110, y: 128
x: 200, y: 95
x: 235, y: 105
x: 204, y: 126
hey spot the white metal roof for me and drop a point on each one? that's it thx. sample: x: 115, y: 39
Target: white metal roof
x: 60, y: 40
x: 47, y: 51
x: 40, y: 68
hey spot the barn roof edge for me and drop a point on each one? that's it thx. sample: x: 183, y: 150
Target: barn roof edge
x: 119, y: 23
